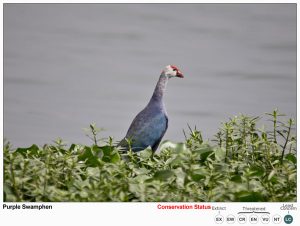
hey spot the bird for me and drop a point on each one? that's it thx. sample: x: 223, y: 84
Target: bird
x: 150, y: 125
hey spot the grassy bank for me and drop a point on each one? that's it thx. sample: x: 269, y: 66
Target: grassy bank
x: 241, y: 163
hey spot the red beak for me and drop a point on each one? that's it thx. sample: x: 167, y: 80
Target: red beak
x: 179, y: 74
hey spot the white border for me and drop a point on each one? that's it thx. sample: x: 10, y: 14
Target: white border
x: 127, y: 213
x: 149, y: 1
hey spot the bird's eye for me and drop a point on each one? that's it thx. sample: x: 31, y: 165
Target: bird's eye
x: 174, y: 69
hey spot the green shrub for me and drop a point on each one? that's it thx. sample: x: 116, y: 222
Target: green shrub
x: 242, y: 163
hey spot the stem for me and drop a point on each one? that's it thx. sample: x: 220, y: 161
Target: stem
x: 14, y: 181
x: 287, y: 139
x: 45, y: 176
x: 94, y: 132
x: 274, y: 125
x: 24, y: 173
x: 226, y: 144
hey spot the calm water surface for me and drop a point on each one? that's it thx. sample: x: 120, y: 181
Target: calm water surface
x: 68, y: 65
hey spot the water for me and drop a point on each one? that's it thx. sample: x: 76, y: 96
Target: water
x: 68, y: 65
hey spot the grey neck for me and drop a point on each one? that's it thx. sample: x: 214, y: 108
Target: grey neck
x: 160, y: 88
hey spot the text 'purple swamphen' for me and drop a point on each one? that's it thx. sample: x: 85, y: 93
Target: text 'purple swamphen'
x: 150, y: 125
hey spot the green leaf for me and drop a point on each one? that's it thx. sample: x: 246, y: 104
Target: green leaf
x: 72, y: 147
x: 236, y: 178
x: 204, y: 151
x: 146, y: 154
x: 30, y: 151
x: 93, y: 171
x: 163, y: 174
x: 115, y: 158
x: 291, y: 158
x: 246, y: 196
x: 109, y: 154
x: 198, y: 174
x: 257, y: 171
x: 89, y: 158
x: 197, y: 177
x: 205, y: 155
x: 176, y: 147
x: 271, y: 175
x: 293, y: 177
x: 180, y: 177
x: 140, y: 171
x: 220, y: 154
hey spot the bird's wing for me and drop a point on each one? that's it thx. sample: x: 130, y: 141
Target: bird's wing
x: 155, y: 145
x: 147, y: 129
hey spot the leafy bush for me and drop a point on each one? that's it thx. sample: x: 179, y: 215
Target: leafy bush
x: 242, y: 163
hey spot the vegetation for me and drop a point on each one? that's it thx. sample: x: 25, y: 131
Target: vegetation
x: 242, y: 163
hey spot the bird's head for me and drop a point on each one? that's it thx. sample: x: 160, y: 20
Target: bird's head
x: 172, y: 71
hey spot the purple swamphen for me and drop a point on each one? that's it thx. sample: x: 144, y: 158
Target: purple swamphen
x: 150, y: 125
